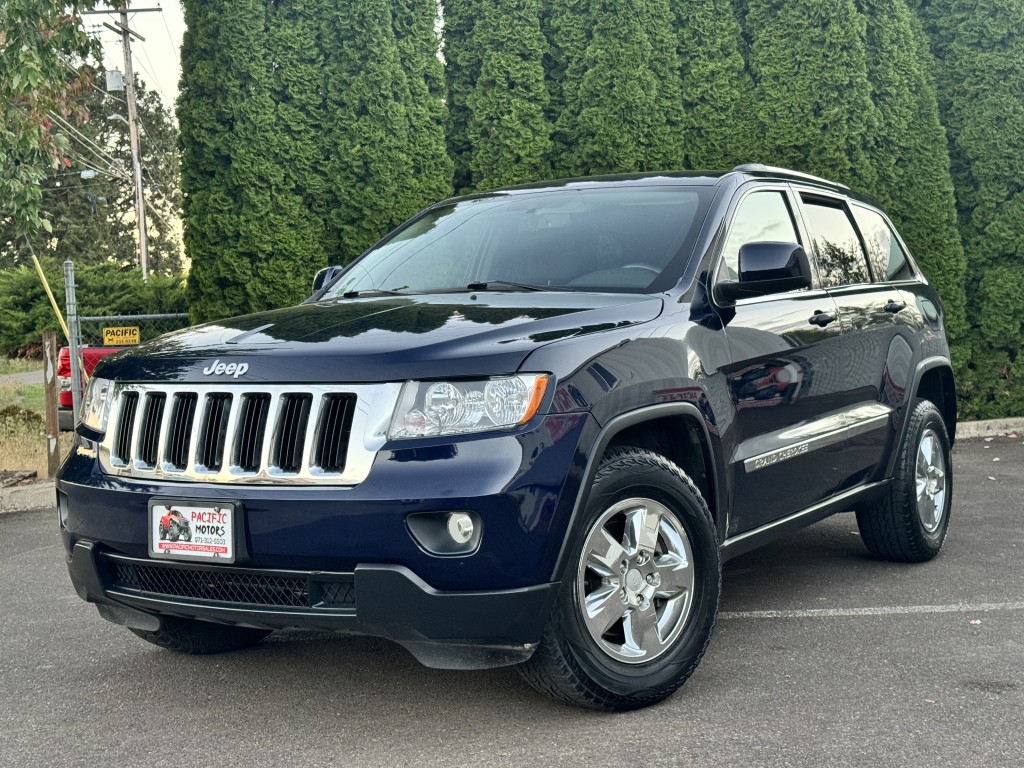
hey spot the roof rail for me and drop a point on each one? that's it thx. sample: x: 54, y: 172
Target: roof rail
x: 775, y: 171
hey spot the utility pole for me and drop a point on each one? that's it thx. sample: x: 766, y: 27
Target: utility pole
x: 133, y: 130
x: 127, y: 34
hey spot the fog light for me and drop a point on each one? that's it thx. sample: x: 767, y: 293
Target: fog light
x: 446, y: 533
x: 460, y: 527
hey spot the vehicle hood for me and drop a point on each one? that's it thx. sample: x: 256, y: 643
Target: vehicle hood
x: 380, y: 339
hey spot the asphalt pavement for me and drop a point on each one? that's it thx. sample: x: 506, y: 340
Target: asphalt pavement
x: 823, y: 657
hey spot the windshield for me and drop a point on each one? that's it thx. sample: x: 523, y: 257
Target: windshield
x: 634, y: 239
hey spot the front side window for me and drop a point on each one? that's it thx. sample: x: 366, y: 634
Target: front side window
x: 888, y: 260
x: 761, y: 217
x: 841, y: 259
x: 632, y: 239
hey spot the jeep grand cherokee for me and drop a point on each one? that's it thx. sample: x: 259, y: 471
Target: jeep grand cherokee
x: 526, y: 428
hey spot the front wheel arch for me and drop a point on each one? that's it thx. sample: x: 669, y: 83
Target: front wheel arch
x: 629, y: 430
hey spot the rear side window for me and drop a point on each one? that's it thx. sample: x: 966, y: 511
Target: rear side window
x: 761, y: 217
x: 841, y: 259
x: 888, y: 260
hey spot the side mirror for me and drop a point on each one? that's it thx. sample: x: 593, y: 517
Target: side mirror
x: 767, y: 268
x: 324, y: 276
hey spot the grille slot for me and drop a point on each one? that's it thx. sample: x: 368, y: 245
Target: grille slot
x: 213, y: 433
x: 289, y: 437
x: 333, y: 432
x: 180, y: 437
x: 152, y: 417
x: 252, y: 425
x: 234, y: 585
x: 126, y: 423
x: 241, y: 433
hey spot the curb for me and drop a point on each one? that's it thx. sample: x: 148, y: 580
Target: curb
x: 41, y: 495
x: 19, y: 498
x: 990, y: 428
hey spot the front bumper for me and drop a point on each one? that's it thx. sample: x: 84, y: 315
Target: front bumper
x: 447, y: 629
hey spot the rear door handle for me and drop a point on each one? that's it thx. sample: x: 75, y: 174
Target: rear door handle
x: 821, y: 319
x: 895, y: 306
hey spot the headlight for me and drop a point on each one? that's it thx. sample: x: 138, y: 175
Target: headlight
x: 99, y: 396
x: 429, y: 408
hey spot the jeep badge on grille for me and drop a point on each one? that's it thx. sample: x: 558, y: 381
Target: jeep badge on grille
x: 231, y: 369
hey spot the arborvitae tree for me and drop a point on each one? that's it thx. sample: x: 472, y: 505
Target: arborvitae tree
x: 370, y: 165
x: 508, y: 131
x: 418, y: 46
x: 979, y: 51
x: 249, y: 233
x: 812, y: 96
x: 613, y: 120
x: 658, y: 20
x: 296, y: 62
x: 462, y: 69
x: 566, y: 27
x: 216, y: 80
x: 910, y: 156
x: 718, y: 126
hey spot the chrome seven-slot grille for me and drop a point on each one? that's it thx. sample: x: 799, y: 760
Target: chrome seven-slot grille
x: 240, y: 433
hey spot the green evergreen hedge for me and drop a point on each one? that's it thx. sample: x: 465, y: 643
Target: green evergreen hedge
x: 100, y: 289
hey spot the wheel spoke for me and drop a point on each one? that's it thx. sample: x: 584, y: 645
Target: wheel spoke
x: 604, y: 553
x: 641, y: 530
x: 927, y: 510
x: 603, y: 609
x: 641, y: 631
x: 922, y: 462
x: 676, y: 575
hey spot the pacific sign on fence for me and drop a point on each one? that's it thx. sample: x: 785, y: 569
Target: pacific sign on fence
x: 122, y: 336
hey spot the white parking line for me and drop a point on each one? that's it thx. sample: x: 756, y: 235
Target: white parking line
x: 885, y: 610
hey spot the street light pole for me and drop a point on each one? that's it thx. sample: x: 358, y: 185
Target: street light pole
x: 133, y: 131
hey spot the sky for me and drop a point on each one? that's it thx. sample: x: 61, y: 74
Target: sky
x: 157, y: 60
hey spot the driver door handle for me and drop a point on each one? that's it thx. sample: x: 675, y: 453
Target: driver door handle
x: 894, y: 306
x: 821, y: 319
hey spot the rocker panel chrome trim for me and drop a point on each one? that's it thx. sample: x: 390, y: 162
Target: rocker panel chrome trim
x: 796, y: 441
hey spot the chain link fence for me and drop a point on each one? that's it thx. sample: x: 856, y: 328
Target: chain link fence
x: 87, y: 332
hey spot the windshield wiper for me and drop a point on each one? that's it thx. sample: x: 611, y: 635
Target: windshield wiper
x: 498, y: 285
x: 371, y: 292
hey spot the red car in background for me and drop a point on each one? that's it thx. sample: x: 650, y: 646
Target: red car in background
x: 90, y: 357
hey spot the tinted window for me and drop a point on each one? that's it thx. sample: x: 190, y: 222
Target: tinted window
x: 620, y: 239
x: 840, y: 256
x: 762, y: 217
x: 888, y: 260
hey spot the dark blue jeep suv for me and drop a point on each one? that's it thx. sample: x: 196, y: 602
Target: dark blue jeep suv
x: 526, y: 428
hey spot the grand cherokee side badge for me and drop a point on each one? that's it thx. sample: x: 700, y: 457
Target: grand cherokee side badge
x: 217, y: 368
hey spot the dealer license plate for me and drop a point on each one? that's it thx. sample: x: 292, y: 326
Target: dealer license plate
x: 190, y: 531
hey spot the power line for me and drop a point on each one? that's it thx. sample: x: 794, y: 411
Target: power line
x: 84, y: 140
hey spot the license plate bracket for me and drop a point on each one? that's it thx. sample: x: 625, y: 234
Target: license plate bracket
x: 193, y: 530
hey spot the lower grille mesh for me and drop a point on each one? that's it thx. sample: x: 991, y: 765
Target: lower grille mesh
x: 234, y: 585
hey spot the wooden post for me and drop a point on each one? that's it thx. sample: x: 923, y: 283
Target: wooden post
x: 50, y: 353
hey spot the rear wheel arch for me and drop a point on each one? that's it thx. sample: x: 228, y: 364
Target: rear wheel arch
x: 935, y: 384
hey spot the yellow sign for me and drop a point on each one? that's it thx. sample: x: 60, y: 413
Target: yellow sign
x: 119, y: 337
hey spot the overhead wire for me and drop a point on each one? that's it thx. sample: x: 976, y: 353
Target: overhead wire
x: 87, y: 144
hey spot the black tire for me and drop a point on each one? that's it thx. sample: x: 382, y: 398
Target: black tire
x: 900, y: 526
x: 572, y: 663
x: 186, y: 533
x: 200, y: 637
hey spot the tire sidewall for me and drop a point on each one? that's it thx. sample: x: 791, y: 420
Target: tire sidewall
x: 926, y: 416
x: 660, y: 484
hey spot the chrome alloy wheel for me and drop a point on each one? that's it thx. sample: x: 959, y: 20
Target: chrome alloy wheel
x: 635, y: 580
x: 930, y: 481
